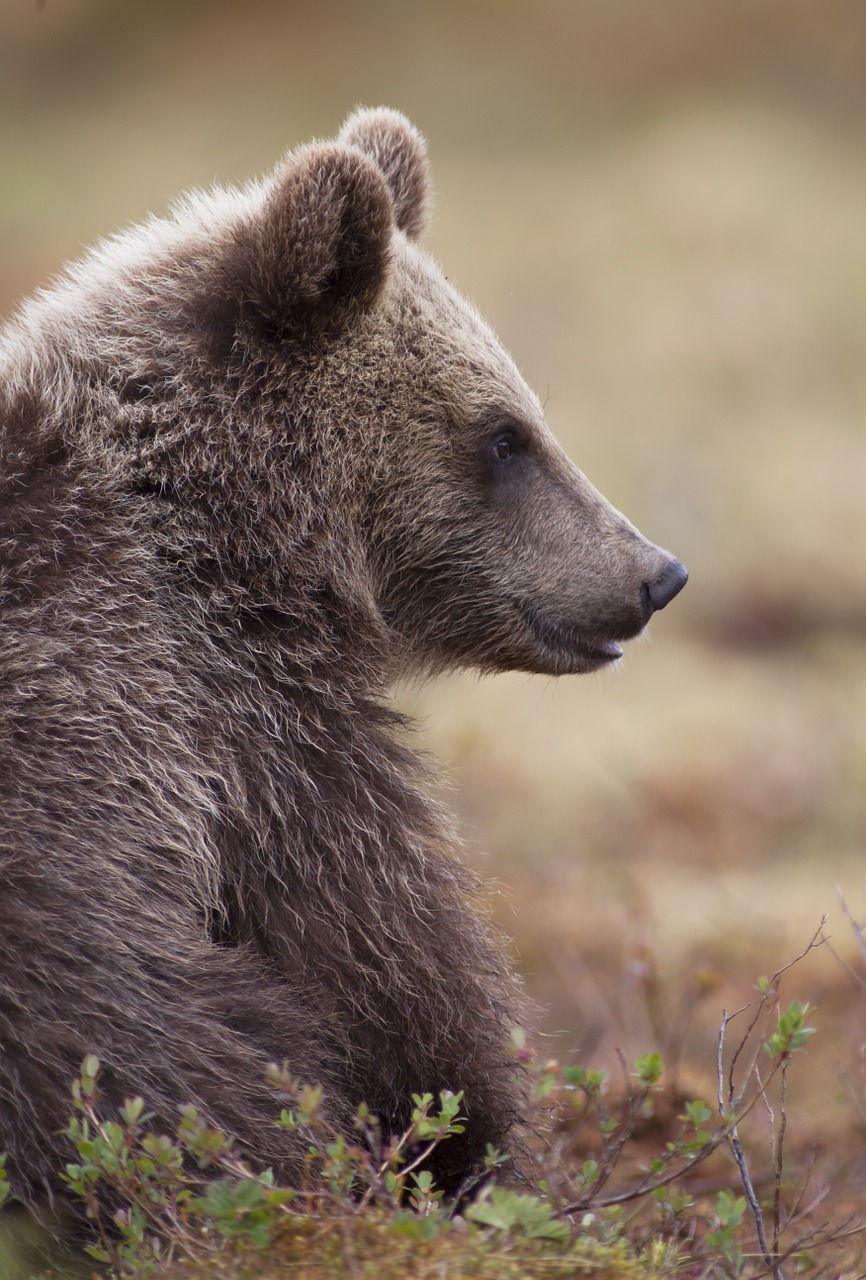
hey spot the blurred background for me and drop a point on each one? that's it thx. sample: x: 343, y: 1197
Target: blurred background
x: 661, y: 208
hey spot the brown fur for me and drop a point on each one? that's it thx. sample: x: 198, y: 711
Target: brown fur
x: 250, y: 472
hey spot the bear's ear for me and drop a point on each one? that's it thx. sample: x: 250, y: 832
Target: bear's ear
x: 319, y: 245
x: 400, y: 151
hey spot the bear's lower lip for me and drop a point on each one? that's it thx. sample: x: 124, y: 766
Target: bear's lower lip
x: 583, y: 652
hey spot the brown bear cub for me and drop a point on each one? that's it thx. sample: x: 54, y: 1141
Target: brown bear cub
x: 256, y: 461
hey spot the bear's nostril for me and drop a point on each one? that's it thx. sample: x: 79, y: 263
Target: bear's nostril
x: 663, y: 590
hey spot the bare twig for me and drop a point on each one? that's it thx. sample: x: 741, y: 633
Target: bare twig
x: 737, y: 1147
x: 818, y: 939
x: 650, y: 1183
x: 779, y: 1160
x: 820, y: 1236
x: 733, y: 1097
x: 859, y: 933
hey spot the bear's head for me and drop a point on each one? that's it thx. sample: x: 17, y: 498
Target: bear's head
x: 484, y: 544
x: 315, y: 423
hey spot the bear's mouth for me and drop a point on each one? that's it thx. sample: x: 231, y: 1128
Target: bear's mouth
x: 581, y: 652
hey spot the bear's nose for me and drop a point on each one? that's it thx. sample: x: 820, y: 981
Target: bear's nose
x: 659, y: 593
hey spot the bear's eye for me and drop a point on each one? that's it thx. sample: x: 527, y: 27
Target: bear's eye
x: 503, y: 445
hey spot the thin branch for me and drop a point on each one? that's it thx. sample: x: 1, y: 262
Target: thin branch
x: 849, y: 969
x: 857, y: 927
x: 737, y: 1148
x: 648, y: 1183
x: 778, y: 1161
x: 735, y: 1099
x: 818, y: 940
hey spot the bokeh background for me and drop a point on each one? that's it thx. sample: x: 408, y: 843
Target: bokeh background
x: 661, y: 207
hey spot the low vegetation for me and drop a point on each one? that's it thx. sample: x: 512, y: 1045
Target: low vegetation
x: 623, y: 1176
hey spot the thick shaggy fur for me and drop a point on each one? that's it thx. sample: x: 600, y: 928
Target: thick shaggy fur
x: 251, y: 469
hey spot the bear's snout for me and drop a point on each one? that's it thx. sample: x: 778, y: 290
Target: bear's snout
x: 659, y: 593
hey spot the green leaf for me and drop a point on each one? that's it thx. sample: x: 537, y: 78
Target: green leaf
x: 518, y: 1214
x: 792, y: 1033
x: 131, y: 1111
x: 730, y: 1209
x: 96, y: 1252
x: 697, y: 1113
x: 649, y: 1069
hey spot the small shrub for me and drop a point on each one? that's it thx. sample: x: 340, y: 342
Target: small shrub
x: 591, y: 1199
